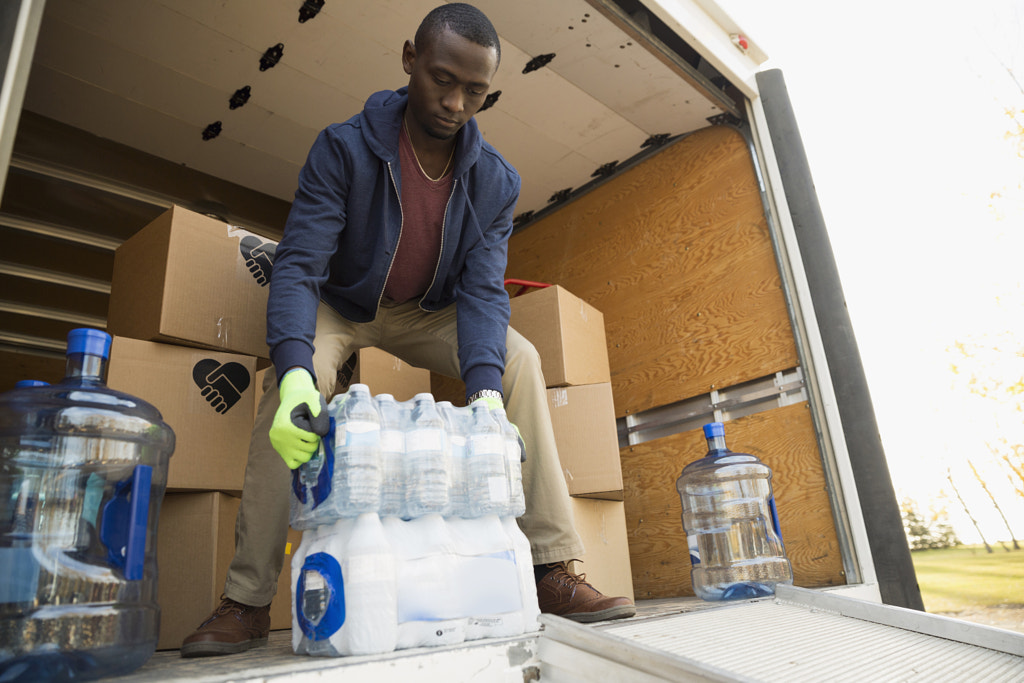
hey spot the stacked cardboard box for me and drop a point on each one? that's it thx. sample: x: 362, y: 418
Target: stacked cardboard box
x: 187, y: 312
x: 569, y: 336
x: 195, y: 545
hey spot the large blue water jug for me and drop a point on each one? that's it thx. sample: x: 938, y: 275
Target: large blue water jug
x: 731, y: 523
x: 83, y: 470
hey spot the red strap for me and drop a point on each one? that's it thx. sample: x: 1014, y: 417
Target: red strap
x: 524, y: 285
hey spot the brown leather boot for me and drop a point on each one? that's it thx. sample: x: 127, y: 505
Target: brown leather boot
x: 568, y: 595
x: 231, y: 628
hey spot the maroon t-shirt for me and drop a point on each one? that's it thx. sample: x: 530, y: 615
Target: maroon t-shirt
x: 423, y: 205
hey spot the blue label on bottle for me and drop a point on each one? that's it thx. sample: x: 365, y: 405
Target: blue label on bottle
x: 320, y: 597
x: 691, y: 541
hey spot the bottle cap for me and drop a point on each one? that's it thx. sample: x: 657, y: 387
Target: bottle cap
x: 24, y: 383
x: 713, y: 429
x: 89, y: 341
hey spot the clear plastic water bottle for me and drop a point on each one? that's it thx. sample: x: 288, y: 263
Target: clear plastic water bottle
x: 486, y: 485
x: 83, y: 470
x: 345, y: 600
x: 371, y: 590
x: 455, y: 425
x: 392, y: 455
x: 430, y: 596
x: 513, y: 466
x: 524, y: 566
x: 731, y: 523
x: 318, y: 599
x: 312, y: 483
x: 427, y: 472
x: 357, y: 455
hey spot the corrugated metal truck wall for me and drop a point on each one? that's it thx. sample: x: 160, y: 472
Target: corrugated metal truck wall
x: 676, y: 253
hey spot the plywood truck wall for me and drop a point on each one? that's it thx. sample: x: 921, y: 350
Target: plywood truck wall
x: 676, y: 253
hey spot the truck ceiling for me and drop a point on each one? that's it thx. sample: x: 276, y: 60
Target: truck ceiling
x: 239, y: 89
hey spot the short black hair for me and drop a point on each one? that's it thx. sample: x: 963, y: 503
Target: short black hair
x: 464, y: 20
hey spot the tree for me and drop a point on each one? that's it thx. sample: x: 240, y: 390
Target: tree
x: 984, y: 486
x: 927, y: 531
x: 991, y: 368
x: 963, y: 504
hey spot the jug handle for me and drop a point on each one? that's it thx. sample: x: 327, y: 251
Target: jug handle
x: 775, y: 518
x: 124, y: 530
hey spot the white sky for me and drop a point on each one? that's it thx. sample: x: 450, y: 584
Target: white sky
x: 902, y: 110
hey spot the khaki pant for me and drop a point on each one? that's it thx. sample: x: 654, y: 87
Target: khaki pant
x: 425, y: 340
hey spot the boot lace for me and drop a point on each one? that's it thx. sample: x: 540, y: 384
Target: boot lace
x: 566, y: 576
x: 226, y: 606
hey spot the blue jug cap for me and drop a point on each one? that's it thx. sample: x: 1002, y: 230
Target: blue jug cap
x: 89, y: 341
x: 24, y: 383
x: 713, y: 429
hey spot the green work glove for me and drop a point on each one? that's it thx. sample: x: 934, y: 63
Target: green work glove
x: 494, y: 403
x: 301, y: 420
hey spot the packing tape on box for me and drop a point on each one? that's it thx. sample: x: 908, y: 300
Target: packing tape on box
x: 559, y: 398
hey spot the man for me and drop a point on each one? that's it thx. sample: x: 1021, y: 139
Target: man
x: 398, y: 238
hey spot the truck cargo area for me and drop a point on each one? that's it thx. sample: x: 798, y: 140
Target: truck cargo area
x: 653, y: 193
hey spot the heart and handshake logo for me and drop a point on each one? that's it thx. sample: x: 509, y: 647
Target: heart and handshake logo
x: 259, y: 257
x: 222, y: 384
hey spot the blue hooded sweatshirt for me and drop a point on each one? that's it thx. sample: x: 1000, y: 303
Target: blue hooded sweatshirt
x: 343, y: 230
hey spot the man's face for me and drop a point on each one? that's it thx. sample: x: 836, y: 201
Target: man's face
x: 448, y: 82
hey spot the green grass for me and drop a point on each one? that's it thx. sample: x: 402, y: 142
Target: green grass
x: 968, y: 577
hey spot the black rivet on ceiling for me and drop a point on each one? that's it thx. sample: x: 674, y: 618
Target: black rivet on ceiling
x: 560, y: 196
x: 724, y: 119
x: 309, y: 9
x: 605, y: 170
x: 271, y: 57
x: 538, y: 62
x: 524, y: 217
x: 240, y: 97
x: 489, y: 101
x: 655, y: 140
x: 212, y: 130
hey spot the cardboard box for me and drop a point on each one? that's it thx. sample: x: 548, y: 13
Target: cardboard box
x: 195, y: 544
x: 258, y: 383
x: 587, y: 437
x: 383, y: 373
x: 207, y: 399
x: 602, y: 526
x: 567, y: 332
x: 189, y: 279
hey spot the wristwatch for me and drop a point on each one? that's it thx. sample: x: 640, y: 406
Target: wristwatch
x: 485, y: 393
